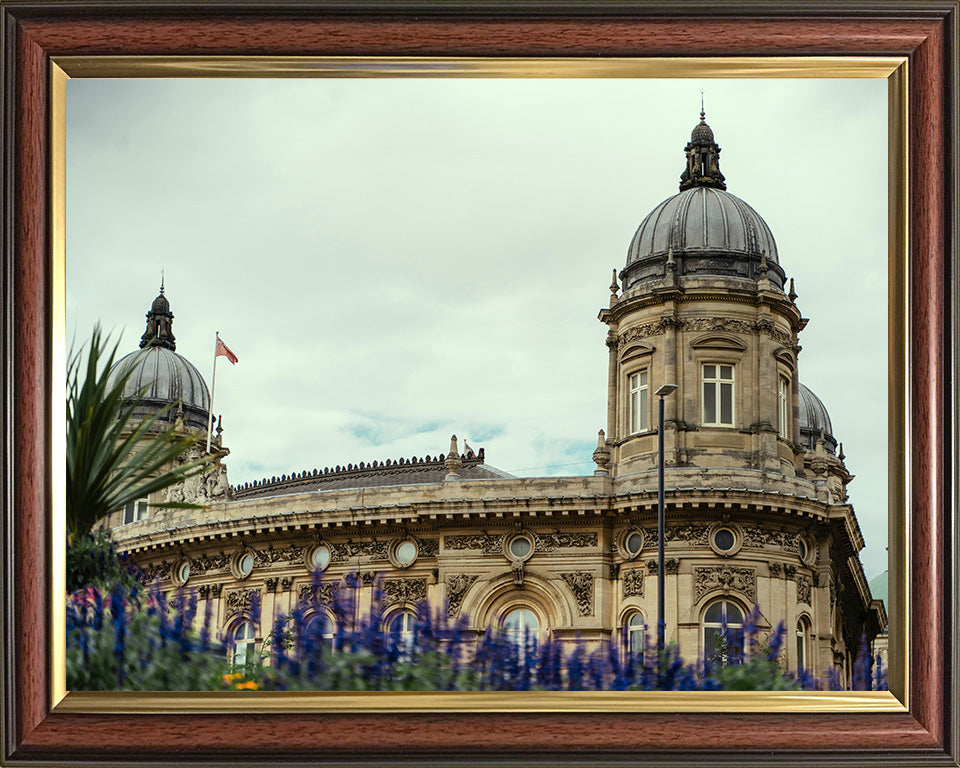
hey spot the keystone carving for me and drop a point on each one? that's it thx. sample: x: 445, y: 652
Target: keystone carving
x: 240, y: 600
x: 726, y: 577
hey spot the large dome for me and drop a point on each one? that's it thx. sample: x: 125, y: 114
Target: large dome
x: 813, y: 418
x: 158, y: 376
x: 703, y: 230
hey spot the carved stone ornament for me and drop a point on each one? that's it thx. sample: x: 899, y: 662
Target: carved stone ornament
x: 726, y: 577
x: 759, y: 537
x: 286, y: 583
x: 633, y: 583
x: 804, y: 589
x: 344, y: 551
x: 790, y: 571
x: 323, y: 593
x: 240, y: 600
x: 670, y: 565
x: 721, y: 324
x: 548, y: 542
x: 210, y: 485
x: 457, y: 586
x: 404, y: 591
x: 427, y: 547
x: 485, y: 542
x: 203, y: 591
x: 271, y: 584
x: 776, y: 569
x: 687, y: 534
x: 154, y: 571
x: 581, y: 584
x: 207, y: 563
x: 270, y: 556
x: 216, y: 590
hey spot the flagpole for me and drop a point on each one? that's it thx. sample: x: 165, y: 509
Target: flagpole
x: 213, y: 385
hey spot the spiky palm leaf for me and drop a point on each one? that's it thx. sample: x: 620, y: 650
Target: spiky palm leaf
x: 107, y: 469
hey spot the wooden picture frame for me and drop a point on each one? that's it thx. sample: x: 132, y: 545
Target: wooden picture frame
x: 35, y: 34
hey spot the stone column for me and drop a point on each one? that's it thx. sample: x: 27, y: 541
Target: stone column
x: 612, y: 389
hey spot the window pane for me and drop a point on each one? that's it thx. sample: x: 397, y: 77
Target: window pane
x: 726, y: 371
x: 714, y: 614
x: 709, y: 371
x: 734, y: 614
x: 634, y: 412
x: 128, y: 513
x: 644, y: 416
x: 709, y: 403
x: 726, y: 403
x: 643, y: 378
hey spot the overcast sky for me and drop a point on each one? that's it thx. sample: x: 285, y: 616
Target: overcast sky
x: 397, y: 260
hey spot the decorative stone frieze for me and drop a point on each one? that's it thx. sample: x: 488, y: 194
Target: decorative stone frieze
x: 239, y: 601
x: 548, y: 542
x: 581, y: 584
x: 720, y: 324
x: 760, y: 537
x: 271, y: 556
x: 457, y: 586
x: 726, y: 577
x: 633, y: 583
x: 404, y: 591
x: 207, y: 563
x: 323, y: 593
x: 350, y: 550
x: 485, y: 542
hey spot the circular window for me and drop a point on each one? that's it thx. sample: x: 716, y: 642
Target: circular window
x: 631, y: 543
x: 320, y: 558
x: 724, y: 539
x: 802, y: 549
x: 520, y: 547
x: 404, y: 553
x: 245, y: 565
x: 183, y: 572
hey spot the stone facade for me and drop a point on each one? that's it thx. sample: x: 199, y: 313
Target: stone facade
x: 754, y: 515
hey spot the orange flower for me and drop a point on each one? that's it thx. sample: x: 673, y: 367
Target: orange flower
x: 249, y: 685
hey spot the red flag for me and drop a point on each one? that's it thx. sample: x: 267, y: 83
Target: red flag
x: 224, y: 350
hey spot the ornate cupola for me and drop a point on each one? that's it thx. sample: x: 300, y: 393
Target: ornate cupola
x: 159, y: 332
x: 701, y: 305
x: 703, y: 159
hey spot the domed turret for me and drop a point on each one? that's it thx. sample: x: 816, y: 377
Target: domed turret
x: 703, y: 230
x: 159, y: 376
x: 813, y: 418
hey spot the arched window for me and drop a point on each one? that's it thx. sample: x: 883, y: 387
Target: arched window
x: 244, y: 644
x: 718, y: 645
x: 803, y: 644
x: 402, y: 630
x: 520, y: 624
x: 321, y: 627
x: 634, y: 630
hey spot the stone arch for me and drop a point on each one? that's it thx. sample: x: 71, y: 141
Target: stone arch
x: 486, y: 602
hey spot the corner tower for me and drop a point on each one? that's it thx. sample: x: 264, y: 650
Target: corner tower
x: 701, y: 304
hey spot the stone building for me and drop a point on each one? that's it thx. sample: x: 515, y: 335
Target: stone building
x: 755, y: 480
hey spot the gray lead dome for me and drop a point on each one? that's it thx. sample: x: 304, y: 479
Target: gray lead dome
x: 161, y: 376
x: 813, y: 417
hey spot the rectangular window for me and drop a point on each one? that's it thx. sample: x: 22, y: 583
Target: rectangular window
x: 639, y: 403
x: 135, y: 510
x: 718, y: 395
x: 783, y: 408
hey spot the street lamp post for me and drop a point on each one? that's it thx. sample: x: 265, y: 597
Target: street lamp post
x: 666, y: 389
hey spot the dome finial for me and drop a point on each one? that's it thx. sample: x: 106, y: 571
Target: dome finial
x: 703, y: 157
x: 159, y: 332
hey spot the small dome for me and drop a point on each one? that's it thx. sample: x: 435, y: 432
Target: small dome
x: 813, y: 418
x: 160, y: 304
x: 161, y: 376
x: 702, y: 134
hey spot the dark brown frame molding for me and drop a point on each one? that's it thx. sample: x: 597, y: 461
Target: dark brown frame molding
x: 926, y: 32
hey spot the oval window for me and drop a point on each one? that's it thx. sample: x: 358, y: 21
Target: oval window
x: 520, y: 547
x: 724, y: 539
x: 183, y: 572
x: 245, y: 566
x: 320, y: 558
x: 802, y: 548
x: 633, y: 543
x: 406, y: 553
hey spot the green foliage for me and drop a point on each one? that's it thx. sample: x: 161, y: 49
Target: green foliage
x: 111, y: 458
x: 92, y: 561
x: 757, y: 673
